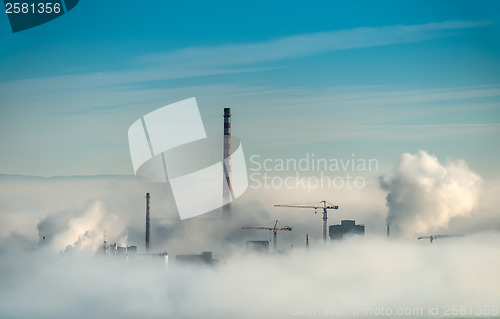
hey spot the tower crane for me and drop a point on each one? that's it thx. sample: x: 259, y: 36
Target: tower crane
x: 432, y: 237
x: 274, y: 229
x: 323, y: 205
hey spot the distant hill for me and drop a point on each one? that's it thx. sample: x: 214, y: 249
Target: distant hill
x: 14, y: 177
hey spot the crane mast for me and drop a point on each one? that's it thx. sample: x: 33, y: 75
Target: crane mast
x: 324, y: 205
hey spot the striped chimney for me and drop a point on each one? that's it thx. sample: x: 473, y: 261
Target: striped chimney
x: 228, y: 189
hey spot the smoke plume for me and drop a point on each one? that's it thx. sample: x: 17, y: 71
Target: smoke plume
x: 424, y: 195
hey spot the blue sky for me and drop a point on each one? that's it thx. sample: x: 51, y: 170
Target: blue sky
x: 330, y: 78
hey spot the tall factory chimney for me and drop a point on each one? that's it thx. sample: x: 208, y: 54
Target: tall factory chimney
x: 148, y: 222
x: 307, y: 241
x: 228, y: 189
x: 388, y: 230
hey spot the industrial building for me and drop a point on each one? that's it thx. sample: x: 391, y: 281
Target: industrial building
x: 204, y: 258
x: 346, y: 227
x: 114, y: 249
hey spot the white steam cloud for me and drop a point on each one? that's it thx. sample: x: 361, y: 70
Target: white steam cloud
x: 424, y: 195
x: 81, y: 230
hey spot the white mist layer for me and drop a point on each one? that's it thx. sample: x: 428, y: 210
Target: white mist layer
x: 357, y: 274
x: 369, y: 272
x: 424, y: 195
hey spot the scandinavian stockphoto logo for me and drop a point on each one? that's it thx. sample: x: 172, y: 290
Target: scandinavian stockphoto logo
x: 170, y: 144
x: 27, y: 14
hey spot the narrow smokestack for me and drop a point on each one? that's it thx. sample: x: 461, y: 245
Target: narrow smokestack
x: 148, y: 222
x: 388, y: 230
x: 307, y: 240
x: 228, y: 189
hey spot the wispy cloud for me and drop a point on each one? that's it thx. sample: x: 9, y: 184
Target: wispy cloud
x: 240, y: 58
x: 387, y: 114
x: 36, y: 111
x: 308, y: 44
